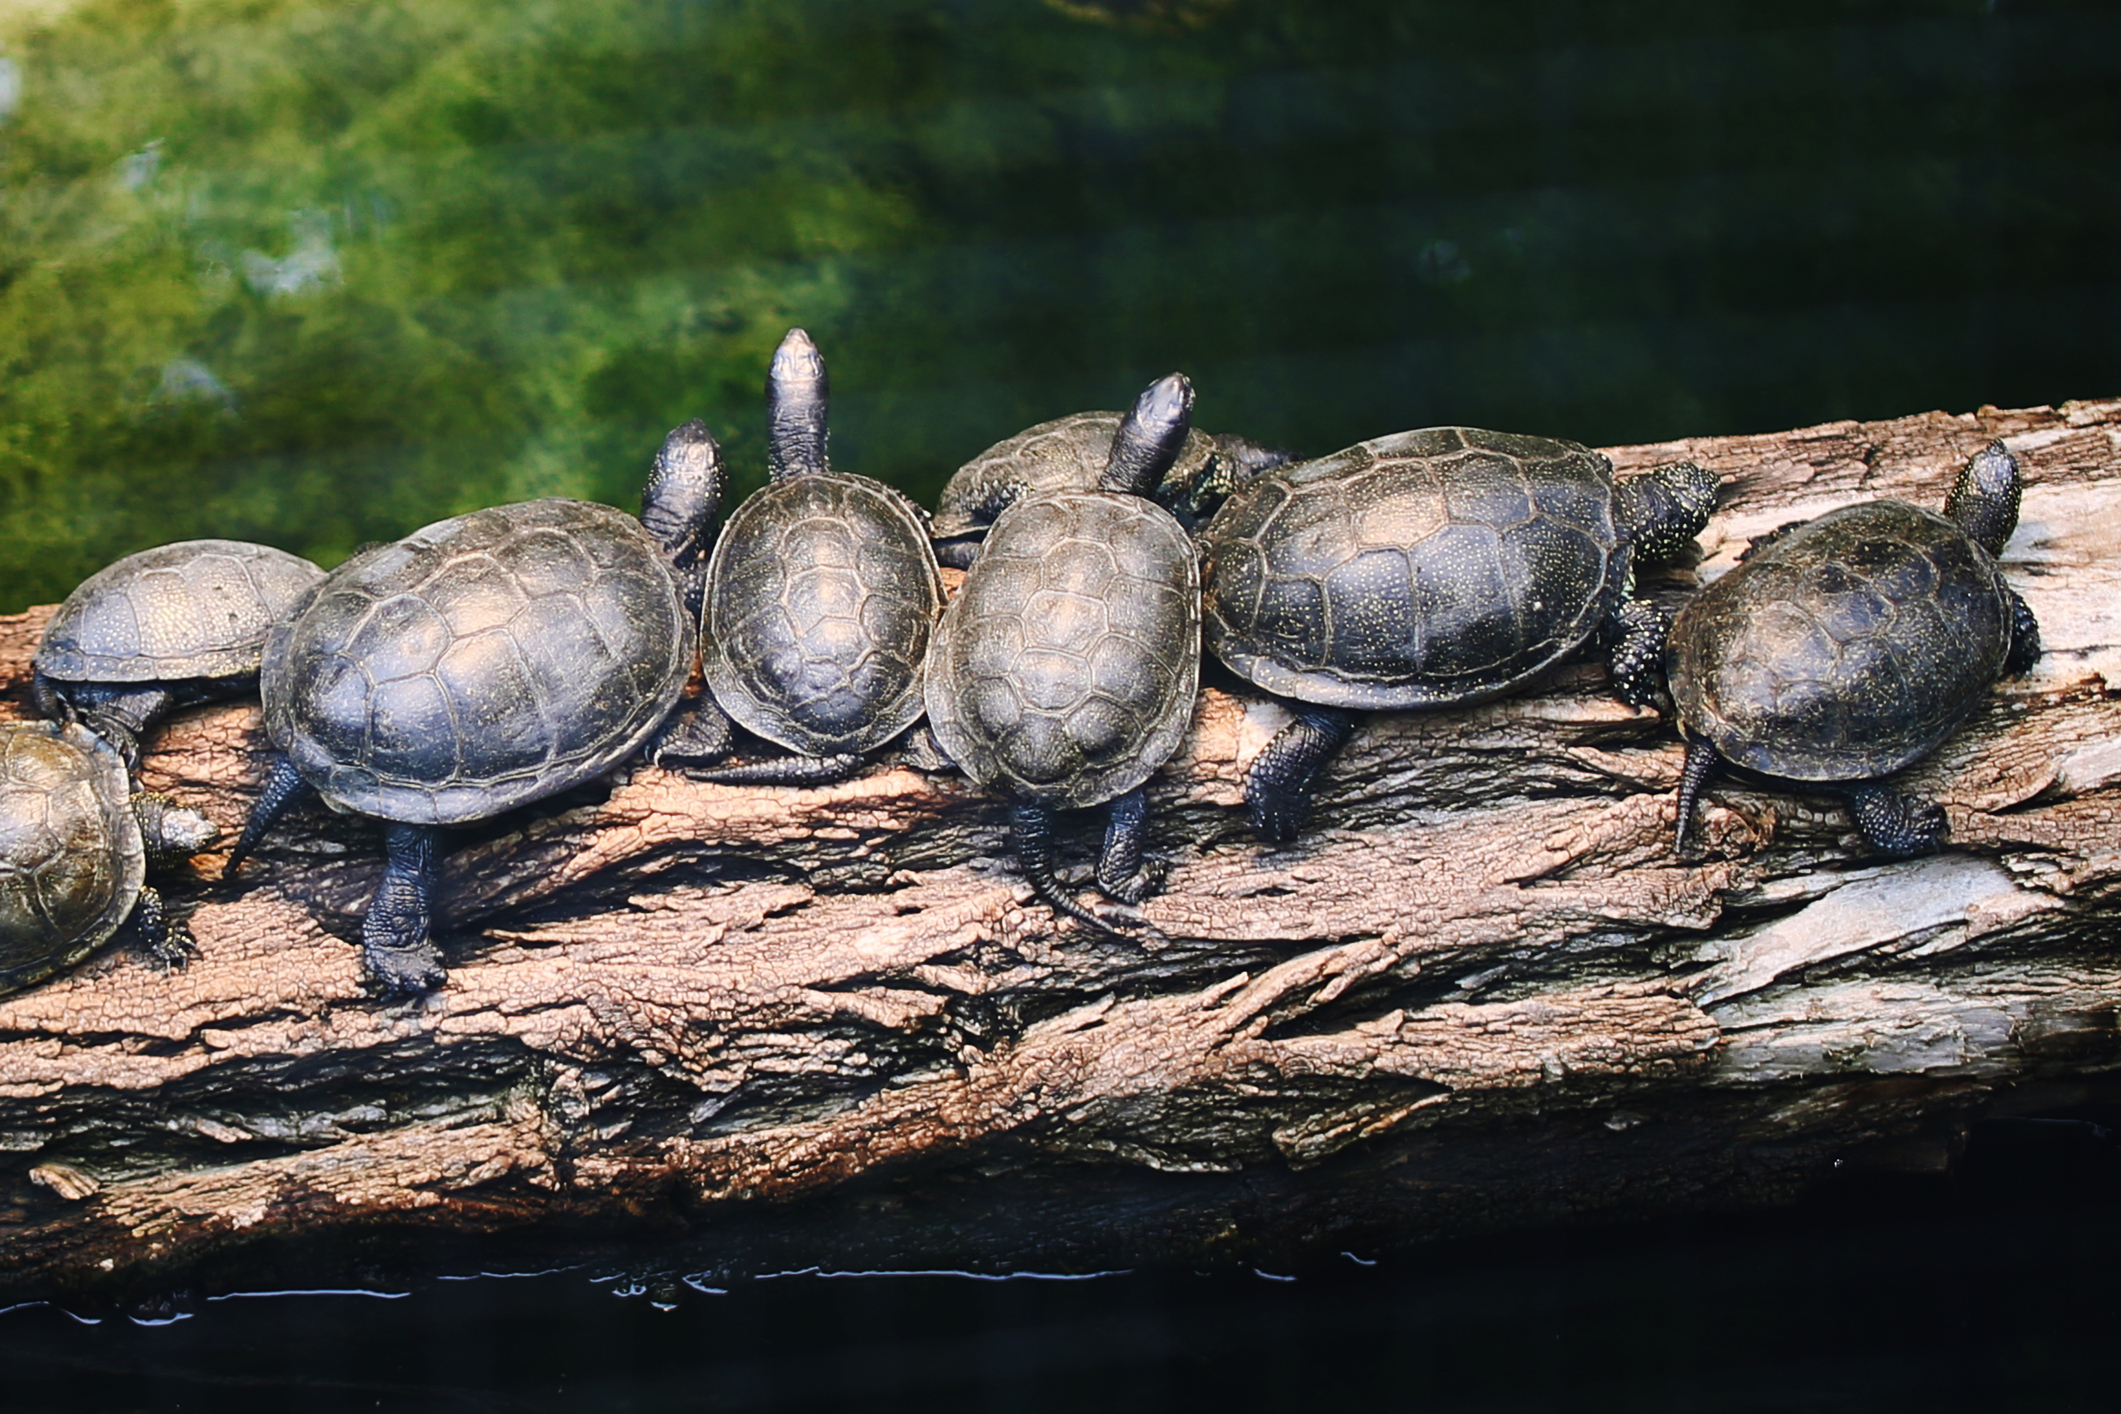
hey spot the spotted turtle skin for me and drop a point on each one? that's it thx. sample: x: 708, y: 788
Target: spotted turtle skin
x: 1065, y: 670
x: 1844, y: 649
x: 1431, y: 567
x: 75, y: 845
x: 1069, y: 454
x: 481, y: 663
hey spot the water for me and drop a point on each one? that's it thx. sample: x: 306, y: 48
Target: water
x: 316, y: 274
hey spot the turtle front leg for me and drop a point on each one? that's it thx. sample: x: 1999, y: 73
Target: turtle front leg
x: 1701, y: 759
x: 1894, y: 824
x: 168, y: 943
x: 1279, y: 783
x: 1638, y: 631
x: 2025, y: 638
x: 1124, y: 871
x: 396, y: 936
x: 1031, y: 826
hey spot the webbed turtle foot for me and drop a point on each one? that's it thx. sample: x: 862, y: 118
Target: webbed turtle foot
x: 403, y: 972
x: 1896, y: 825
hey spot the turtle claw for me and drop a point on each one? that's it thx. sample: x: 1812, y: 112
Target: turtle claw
x: 403, y: 972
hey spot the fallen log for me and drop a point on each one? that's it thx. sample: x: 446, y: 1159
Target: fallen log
x: 830, y: 1026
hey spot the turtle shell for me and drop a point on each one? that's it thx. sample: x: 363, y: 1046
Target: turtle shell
x: 195, y: 609
x: 1065, y: 669
x: 1845, y: 649
x: 821, y: 597
x: 1066, y: 454
x: 71, y: 855
x: 480, y: 663
x: 1431, y: 567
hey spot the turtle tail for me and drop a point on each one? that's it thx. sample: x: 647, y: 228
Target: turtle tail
x: 283, y: 786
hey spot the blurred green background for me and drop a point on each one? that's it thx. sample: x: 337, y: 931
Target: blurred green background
x: 316, y: 273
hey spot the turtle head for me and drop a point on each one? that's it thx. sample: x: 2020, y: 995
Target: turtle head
x: 1150, y: 437
x: 1664, y: 508
x: 1984, y: 501
x: 796, y: 396
x: 169, y: 831
x: 684, y: 499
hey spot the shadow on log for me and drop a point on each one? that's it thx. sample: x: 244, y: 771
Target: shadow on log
x: 829, y: 1027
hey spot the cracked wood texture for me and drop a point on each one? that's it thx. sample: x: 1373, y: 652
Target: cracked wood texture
x: 830, y: 1027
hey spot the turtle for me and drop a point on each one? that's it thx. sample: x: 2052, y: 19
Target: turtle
x: 1063, y: 674
x: 479, y: 664
x: 1431, y: 568
x: 1843, y: 649
x: 820, y: 598
x: 1070, y: 453
x: 76, y: 842
x: 163, y: 628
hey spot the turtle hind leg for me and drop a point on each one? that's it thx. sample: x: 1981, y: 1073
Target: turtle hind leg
x: 1701, y: 760
x: 1894, y: 824
x: 1124, y: 871
x: 2025, y: 638
x: 787, y: 771
x: 692, y: 736
x: 397, y: 939
x: 283, y: 786
x: 1638, y: 631
x: 1279, y: 782
x: 1032, y: 828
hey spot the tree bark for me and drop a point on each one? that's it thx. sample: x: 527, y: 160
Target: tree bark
x: 830, y: 1026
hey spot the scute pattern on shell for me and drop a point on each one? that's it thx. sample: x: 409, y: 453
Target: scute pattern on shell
x: 194, y: 609
x: 71, y: 857
x: 1844, y: 650
x: 480, y: 663
x: 1429, y: 567
x: 821, y: 597
x: 1066, y: 669
x: 1066, y: 454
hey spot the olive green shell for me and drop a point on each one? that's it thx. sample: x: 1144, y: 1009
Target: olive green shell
x: 480, y: 663
x: 1064, y: 671
x: 71, y: 855
x: 1845, y: 649
x: 194, y: 609
x: 1425, y: 568
x: 821, y: 597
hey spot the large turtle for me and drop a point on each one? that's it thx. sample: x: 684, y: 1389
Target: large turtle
x: 1070, y: 454
x: 482, y: 663
x: 820, y: 598
x: 1430, y: 568
x: 75, y: 845
x: 1064, y: 671
x: 163, y: 628
x: 1845, y: 648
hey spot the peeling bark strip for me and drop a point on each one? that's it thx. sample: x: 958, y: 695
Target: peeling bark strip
x: 1481, y: 990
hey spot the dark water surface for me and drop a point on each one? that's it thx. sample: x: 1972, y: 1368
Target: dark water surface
x: 318, y: 273
x: 1990, y: 1290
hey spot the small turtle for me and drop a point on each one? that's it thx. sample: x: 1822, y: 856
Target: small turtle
x: 1064, y: 671
x: 75, y: 845
x: 1842, y: 649
x: 1069, y: 454
x: 820, y: 598
x: 161, y: 629
x: 479, y: 664
x: 1427, y: 569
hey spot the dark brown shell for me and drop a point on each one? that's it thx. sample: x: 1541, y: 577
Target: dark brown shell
x: 821, y: 597
x: 71, y: 856
x: 480, y: 663
x: 1065, y: 670
x: 194, y: 609
x: 1844, y: 650
x: 1430, y: 567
